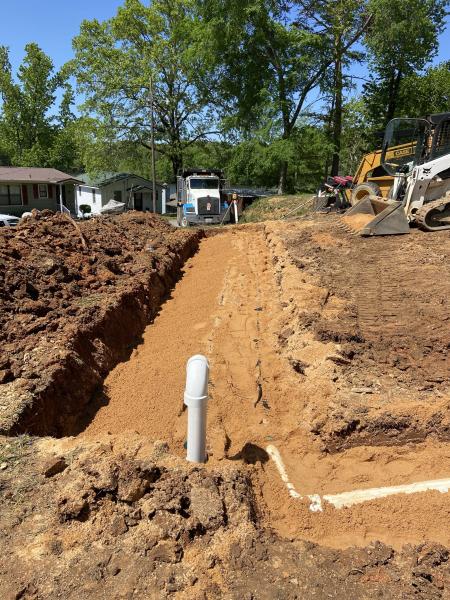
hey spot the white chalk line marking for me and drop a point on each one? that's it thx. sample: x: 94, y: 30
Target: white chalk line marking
x: 346, y: 499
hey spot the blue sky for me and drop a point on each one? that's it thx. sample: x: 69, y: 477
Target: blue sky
x: 53, y: 24
x: 50, y: 23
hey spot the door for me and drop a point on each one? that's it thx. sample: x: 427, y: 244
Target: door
x: 137, y: 200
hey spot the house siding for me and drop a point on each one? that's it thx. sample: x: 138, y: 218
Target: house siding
x: 30, y: 201
x: 84, y: 195
x: 123, y: 185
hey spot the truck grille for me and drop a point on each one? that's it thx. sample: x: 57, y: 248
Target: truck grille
x: 213, y: 203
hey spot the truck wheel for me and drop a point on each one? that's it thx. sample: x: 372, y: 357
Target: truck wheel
x: 363, y: 190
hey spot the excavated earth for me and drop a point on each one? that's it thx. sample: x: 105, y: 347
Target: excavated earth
x: 74, y: 301
x: 329, y: 347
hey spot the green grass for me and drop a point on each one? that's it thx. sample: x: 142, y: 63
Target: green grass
x: 13, y: 449
x: 276, y: 207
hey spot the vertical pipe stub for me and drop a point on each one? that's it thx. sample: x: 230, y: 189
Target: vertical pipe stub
x: 196, y: 399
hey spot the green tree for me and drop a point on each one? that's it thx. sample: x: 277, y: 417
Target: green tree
x: 427, y: 93
x: 268, y: 56
x: 31, y: 134
x: 140, y: 58
x: 403, y: 38
x: 340, y: 24
x: 25, y: 123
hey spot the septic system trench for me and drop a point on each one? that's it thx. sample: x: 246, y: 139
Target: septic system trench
x: 322, y: 406
x: 229, y: 306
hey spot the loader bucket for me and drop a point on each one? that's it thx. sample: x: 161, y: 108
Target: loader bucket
x: 372, y: 216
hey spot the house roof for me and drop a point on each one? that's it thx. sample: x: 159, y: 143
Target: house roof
x: 94, y: 180
x: 106, y: 178
x: 35, y: 175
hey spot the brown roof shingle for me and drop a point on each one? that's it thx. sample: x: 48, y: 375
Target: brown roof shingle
x: 34, y: 175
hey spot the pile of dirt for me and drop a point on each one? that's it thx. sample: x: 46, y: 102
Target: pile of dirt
x: 384, y: 310
x: 74, y: 298
x: 122, y: 518
x: 358, y: 221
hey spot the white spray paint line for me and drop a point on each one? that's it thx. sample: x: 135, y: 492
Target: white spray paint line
x: 346, y: 499
x: 272, y: 451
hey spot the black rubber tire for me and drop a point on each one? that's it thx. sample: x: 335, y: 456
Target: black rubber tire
x: 363, y: 190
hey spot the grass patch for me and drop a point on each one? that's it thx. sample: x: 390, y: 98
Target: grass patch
x: 91, y: 300
x: 276, y: 207
x: 12, y: 450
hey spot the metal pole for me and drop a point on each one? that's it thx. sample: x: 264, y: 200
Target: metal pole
x: 152, y: 144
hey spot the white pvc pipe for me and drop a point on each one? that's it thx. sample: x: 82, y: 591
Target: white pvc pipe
x: 196, y: 399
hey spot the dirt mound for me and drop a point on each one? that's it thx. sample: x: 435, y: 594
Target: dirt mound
x: 74, y: 298
x: 384, y: 309
x: 122, y: 518
x: 357, y: 222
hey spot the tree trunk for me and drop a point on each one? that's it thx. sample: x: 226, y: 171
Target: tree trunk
x: 394, y: 86
x: 338, y: 99
x: 177, y: 162
x: 283, y: 178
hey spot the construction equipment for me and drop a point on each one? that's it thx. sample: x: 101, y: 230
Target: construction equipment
x: 370, y: 179
x: 416, y: 153
x: 199, y: 197
x: 333, y: 194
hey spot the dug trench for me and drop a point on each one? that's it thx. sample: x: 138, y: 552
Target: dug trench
x: 301, y: 360
x: 74, y: 304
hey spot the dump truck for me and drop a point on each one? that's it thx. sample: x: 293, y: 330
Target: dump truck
x: 416, y: 153
x: 199, y: 197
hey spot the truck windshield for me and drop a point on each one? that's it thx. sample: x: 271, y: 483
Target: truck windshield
x: 403, y: 144
x: 204, y: 184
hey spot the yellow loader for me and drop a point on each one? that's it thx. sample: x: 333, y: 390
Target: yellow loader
x: 416, y: 153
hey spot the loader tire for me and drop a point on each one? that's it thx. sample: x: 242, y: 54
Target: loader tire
x: 363, y: 190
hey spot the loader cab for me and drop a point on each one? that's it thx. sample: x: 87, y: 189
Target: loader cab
x: 406, y: 144
x: 440, y: 145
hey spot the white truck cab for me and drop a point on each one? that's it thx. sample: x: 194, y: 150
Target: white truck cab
x: 199, y: 197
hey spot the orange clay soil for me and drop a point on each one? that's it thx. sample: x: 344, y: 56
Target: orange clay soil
x: 357, y: 222
x: 290, y: 366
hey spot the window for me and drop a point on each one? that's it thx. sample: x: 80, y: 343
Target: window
x: 93, y: 196
x: 204, y: 184
x: 10, y: 195
x: 43, y: 191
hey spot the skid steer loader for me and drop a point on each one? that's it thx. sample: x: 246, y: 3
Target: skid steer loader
x: 416, y: 152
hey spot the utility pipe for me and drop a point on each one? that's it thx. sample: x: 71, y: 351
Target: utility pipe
x: 196, y: 399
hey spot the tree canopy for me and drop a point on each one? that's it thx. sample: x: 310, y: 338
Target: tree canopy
x: 264, y: 89
x: 31, y: 132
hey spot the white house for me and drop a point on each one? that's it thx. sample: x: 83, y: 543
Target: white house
x: 88, y: 193
x: 135, y: 191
